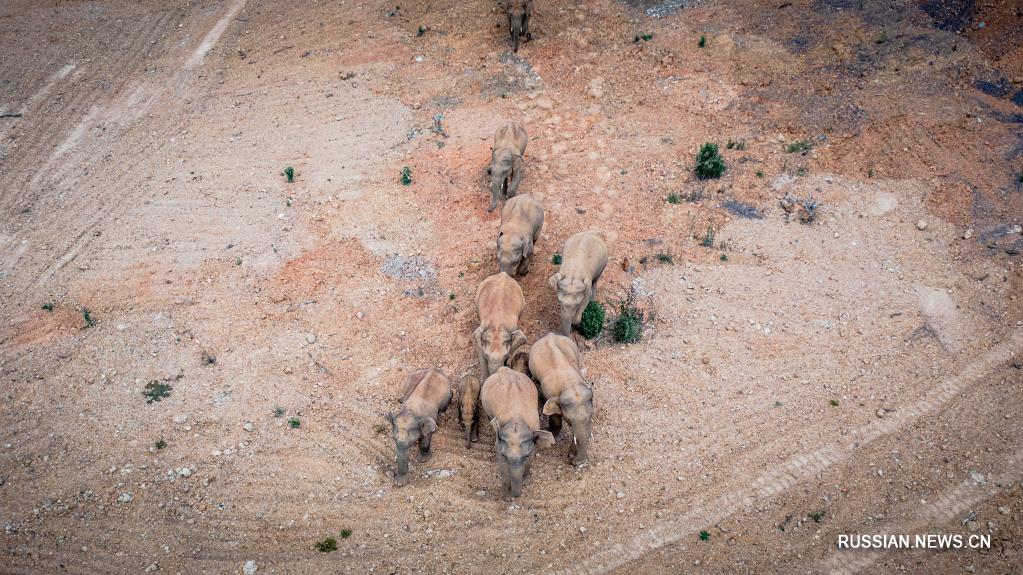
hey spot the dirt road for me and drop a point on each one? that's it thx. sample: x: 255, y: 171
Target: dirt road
x: 794, y: 382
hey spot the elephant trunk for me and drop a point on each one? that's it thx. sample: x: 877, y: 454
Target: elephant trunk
x: 567, y: 317
x: 516, y: 30
x: 494, y: 363
x: 581, y: 436
x: 515, y: 473
x: 401, y: 473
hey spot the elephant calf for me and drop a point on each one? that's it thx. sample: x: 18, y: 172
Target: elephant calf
x: 499, y: 302
x: 519, y: 12
x: 554, y: 360
x: 427, y: 394
x: 506, y: 162
x: 583, y: 260
x: 509, y: 400
x: 521, y: 222
x: 468, y: 408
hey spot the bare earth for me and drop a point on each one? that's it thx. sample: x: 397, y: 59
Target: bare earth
x: 793, y: 383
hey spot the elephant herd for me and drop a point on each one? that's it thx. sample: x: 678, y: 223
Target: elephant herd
x: 510, y: 369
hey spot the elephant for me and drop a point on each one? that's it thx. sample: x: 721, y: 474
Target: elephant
x: 509, y: 399
x: 583, y: 260
x: 499, y: 302
x: 519, y: 12
x: 469, y: 409
x: 555, y: 361
x: 506, y: 166
x: 427, y: 394
x: 521, y: 223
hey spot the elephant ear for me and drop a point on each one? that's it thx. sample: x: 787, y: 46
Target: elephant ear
x: 518, y: 339
x: 391, y: 418
x: 555, y: 279
x: 543, y: 438
x: 496, y: 425
x: 552, y: 407
x: 527, y: 245
x: 428, y: 425
x: 478, y: 337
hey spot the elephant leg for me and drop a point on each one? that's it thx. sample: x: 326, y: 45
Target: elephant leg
x: 474, y: 430
x: 525, y: 27
x: 554, y: 423
x: 424, y: 447
x: 527, y: 467
x: 524, y: 264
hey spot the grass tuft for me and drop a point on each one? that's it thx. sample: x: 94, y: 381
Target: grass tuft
x: 709, y: 163
x: 406, y: 176
x: 704, y: 535
x: 592, y: 322
x: 48, y: 306
x: 702, y: 42
x: 346, y: 533
x: 289, y: 173
x: 643, y: 37
x: 834, y: 403
x: 556, y: 259
x: 664, y: 258
x: 160, y: 444
x: 736, y: 144
x: 294, y: 422
x: 708, y: 240
x: 278, y: 411
x: 674, y: 198
x: 799, y: 146
x: 817, y: 516
x: 87, y: 316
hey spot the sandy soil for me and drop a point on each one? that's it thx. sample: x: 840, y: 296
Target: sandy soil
x: 794, y: 382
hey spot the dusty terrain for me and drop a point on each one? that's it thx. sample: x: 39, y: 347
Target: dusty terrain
x: 794, y: 382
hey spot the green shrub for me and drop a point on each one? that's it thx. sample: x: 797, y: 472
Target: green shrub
x: 817, y: 516
x: 708, y: 240
x: 556, y: 259
x: 160, y: 444
x: 664, y: 258
x: 87, y: 316
x: 327, y: 545
x: 289, y: 173
x: 155, y: 391
x: 406, y: 176
x: 674, y: 198
x: 48, y: 306
x: 592, y: 322
x: 644, y: 36
x: 294, y: 422
x: 709, y: 163
x: 702, y: 42
x: 628, y: 328
x: 704, y: 535
x: 346, y: 533
x: 799, y: 146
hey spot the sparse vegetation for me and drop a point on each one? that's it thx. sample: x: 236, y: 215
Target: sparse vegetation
x: 802, y: 208
x: 87, y: 317
x: 708, y: 239
x: 278, y: 411
x: 421, y: 30
x: 327, y: 545
x: 799, y: 146
x: 628, y: 328
x: 881, y: 38
x: 736, y: 145
x: 760, y: 173
x: 817, y: 516
x: 724, y: 257
x: 674, y: 198
x: 709, y: 163
x: 294, y: 422
x: 643, y: 36
x: 451, y: 297
x: 160, y: 444
x: 155, y: 391
x: 48, y: 306
x: 556, y: 259
x: 379, y: 429
x: 664, y: 258
x: 346, y: 533
x: 702, y: 42
x: 592, y: 322
x: 289, y: 173
x: 406, y: 176
x: 777, y: 403
x: 834, y: 403
x: 704, y: 535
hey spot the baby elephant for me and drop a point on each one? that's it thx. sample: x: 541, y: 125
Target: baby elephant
x: 521, y: 222
x: 509, y: 400
x: 499, y: 302
x: 469, y: 409
x: 519, y: 12
x: 554, y: 360
x: 583, y: 259
x: 427, y: 394
x: 506, y: 162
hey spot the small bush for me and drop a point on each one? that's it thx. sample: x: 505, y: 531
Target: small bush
x: 817, y: 516
x: 704, y: 535
x: 834, y: 403
x: 160, y: 444
x: 760, y: 173
x: 592, y: 322
x: 643, y: 36
x: 674, y: 198
x: 556, y: 259
x: 881, y: 38
x: 294, y: 422
x: 724, y: 257
x: 346, y: 533
x: 628, y: 328
x: 289, y: 173
x: 709, y: 163
x: 798, y: 146
x: 406, y: 176
x: 702, y: 42
x: 48, y: 306
x: 421, y: 30
x: 664, y: 258
x: 155, y: 391
x: 87, y: 316
x: 736, y: 145
x: 278, y: 411
x: 327, y: 545
x: 380, y: 429
x: 708, y: 240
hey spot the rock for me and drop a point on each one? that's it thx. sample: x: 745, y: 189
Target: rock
x: 580, y: 210
x: 620, y: 495
x: 1003, y: 510
x: 595, y: 88
x: 921, y: 225
x: 125, y: 497
x: 249, y: 568
x: 247, y: 426
x: 977, y: 476
x: 881, y: 413
x: 582, y: 530
x: 153, y: 567
x: 310, y: 338
x: 359, y: 315
x: 181, y: 418
x: 184, y: 472
x: 968, y: 234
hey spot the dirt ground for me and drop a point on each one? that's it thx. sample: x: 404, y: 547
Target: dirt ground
x: 857, y: 375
